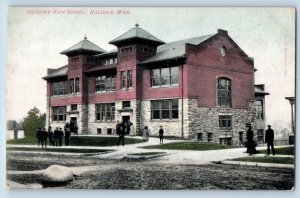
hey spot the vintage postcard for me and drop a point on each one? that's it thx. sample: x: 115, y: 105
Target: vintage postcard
x: 150, y: 98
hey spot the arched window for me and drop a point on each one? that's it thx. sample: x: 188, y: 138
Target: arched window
x: 224, y: 92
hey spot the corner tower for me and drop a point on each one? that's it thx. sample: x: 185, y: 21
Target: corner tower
x: 80, y: 58
x: 134, y: 46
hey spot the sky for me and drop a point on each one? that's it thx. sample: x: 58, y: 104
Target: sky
x: 35, y: 40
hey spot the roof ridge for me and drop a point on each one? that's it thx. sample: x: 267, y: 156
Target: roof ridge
x: 209, y: 35
x: 124, y: 33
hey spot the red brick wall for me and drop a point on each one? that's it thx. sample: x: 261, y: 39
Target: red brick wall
x: 205, y: 64
x: 200, y: 73
x: 160, y: 92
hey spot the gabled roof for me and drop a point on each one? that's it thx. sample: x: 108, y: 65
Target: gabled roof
x: 174, y: 49
x: 59, y: 72
x: 84, y: 45
x: 136, y: 33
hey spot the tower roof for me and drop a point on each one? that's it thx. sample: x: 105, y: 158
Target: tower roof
x: 84, y: 46
x: 136, y: 33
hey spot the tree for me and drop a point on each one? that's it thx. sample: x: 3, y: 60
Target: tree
x: 34, y: 120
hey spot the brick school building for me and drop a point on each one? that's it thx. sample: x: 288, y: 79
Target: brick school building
x: 198, y: 88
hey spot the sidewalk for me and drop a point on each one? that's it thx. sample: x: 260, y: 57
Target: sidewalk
x: 169, y: 156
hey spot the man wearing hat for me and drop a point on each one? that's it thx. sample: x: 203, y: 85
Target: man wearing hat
x: 269, y: 139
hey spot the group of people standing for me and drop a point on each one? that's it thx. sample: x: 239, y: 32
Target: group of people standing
x: 160, y: 132
x: 269, y: 140
x: 123, y: 129
x: 126, y: 128
x: 56, y: 137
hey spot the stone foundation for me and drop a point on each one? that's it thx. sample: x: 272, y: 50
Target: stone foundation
x: 192, y: 120
x: 206, y: 120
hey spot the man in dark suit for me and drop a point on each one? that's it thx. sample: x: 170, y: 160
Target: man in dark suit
x: 50, y: 133
x: 161, y: 135
x: 67, y: 136
x: 269, y: 139
x: 60, y: 137
x: 39, y: 136
x: 121, y: 133
x: 44, y: 138
x: 55, y: 137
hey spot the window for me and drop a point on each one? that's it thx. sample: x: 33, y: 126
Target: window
x: 209, y: 137
x: 74, y: 107
x: 226, y: 141
x: 224, y: 92
x: 109, y: 61
x: 109, y: 131
x: 260, y: 136
x: 74, y: 82
x: 59, y: 88
x: 59, y: 113
x: 99, y: 131
x: 164, y: 109
x: 126, y: 50
x: 126, y: 104
x: 200, y: 137
x: 105, y: 112
x: 164, y: 76
x: 129, y: 79
x: 106, y: 83
x: 76, y: 59
x: 225, y: 122
x: 123, y: 79
x: 259, y: 109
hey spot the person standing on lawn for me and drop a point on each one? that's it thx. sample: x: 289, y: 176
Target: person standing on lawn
x: 121, y: 134
x: 55, y: 137
x: 269, y: 139
x: 131, y: 127
x: 146, y: 134
x: 39, y: 136
x: 50, y: 135
x: 161, y: 135
x: 67, y: 135
x: 251, y: 144
x: 60, y: 137
x: 44, y: 138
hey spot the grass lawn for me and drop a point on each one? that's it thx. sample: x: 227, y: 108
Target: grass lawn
x: 57, y: 149
x: 28, y: 140
x: 198, y: 146
x: 82, y: 141
x: 281, y: 151
x: 147, y: 153
x: 100, y: 141
x: 276, y: 160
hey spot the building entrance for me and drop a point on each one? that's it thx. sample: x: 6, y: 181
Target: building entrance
x: 74, y: 119
x: 125, y: 119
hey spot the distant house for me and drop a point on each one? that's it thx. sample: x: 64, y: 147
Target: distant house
x: 199, y: 88
x: 13, y: 130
